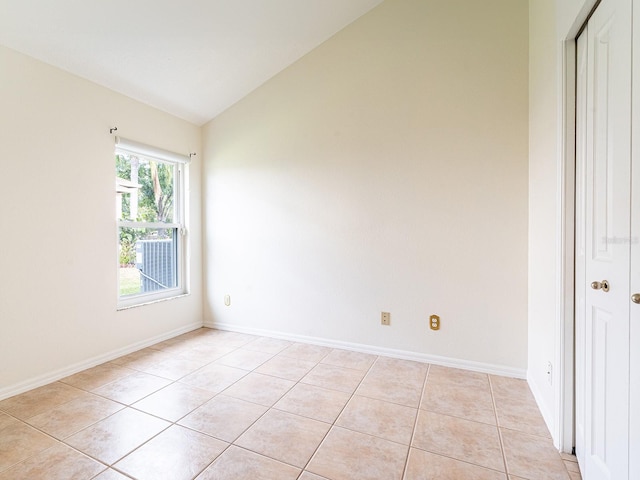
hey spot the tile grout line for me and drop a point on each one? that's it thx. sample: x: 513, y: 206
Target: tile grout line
x: 130, y: 406
x: 333, y: 424
x: 457, y: 459
x: 229, y: 444
x: 495, y: 412
x: 415, y: 422
x: 176, y: 422
x: 268, y: 409
x: 58, y: 442
x: 172, y: 423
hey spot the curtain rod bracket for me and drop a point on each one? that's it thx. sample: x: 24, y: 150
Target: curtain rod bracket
x: 192, y: 154
x: 113, y: 129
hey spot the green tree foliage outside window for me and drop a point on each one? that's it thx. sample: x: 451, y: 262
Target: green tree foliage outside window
x: 154, y: 199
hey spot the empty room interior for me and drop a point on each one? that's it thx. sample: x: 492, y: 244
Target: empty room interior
x: 320, y: 240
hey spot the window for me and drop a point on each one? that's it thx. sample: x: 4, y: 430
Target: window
x: 150, y: 215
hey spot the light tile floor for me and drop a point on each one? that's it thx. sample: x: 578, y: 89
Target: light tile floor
x: 227, y: 406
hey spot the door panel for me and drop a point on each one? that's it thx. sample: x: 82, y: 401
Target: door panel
x: 599, y: 342
x: 603, y: 164
x: 603, y: 169
x: 634, y: 324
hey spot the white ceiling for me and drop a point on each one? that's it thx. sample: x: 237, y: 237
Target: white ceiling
x: 191, y: 58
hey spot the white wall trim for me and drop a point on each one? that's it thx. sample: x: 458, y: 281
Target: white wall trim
x: 547, y: 414
x: 49, y: 377
x: 567, y: 324
x: 374, y: 350
x: 563, y: 421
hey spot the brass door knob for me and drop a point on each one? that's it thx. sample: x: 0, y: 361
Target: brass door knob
x: 635, y: 298
x: 604, y: 285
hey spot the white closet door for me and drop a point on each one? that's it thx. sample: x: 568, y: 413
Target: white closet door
x: 634, y: 330
x: 634, y: 325
x: 603, y: 316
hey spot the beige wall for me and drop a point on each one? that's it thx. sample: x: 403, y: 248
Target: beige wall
x: 57, y: 205
x: 386, y: 170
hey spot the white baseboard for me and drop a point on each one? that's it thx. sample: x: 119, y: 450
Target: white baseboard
x: 542, y: 406
x: 49, y: 377
x: 374, y: 350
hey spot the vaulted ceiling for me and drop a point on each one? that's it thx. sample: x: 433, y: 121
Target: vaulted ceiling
x: 191, y: 58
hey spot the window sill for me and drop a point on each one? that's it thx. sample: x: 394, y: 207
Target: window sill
x: 151, y: 302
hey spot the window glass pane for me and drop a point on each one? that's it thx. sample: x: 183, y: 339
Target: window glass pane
x: 148, y: 260
x: 145, y: 189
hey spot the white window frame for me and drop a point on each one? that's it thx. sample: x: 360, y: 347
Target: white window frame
x: 181, y: 164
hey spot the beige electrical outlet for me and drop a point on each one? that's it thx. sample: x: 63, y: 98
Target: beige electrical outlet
x: 385, y: 318
x: 434, y: 322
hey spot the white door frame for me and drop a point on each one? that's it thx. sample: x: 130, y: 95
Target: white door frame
x: 565, y: 246
x: 634, y: 326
